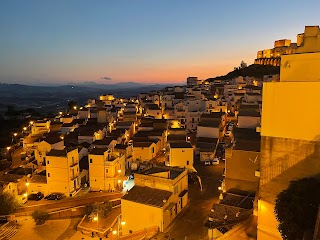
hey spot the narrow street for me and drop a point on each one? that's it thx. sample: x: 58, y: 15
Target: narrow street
x: 190, y: 222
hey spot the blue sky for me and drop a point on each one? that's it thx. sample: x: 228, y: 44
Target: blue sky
x: 140, y: 40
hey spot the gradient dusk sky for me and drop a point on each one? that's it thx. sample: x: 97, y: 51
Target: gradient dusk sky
x: 154, y: 41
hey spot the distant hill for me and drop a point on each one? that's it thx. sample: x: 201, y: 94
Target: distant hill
x: 53, y: 98
x: 254, y: 70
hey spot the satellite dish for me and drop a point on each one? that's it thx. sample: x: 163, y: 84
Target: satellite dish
x: 286, y: 64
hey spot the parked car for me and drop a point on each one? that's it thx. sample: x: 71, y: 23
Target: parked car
x: 215, y: 161
x: 207, y: 162
x: 35, y: 196
x: 54, y: 196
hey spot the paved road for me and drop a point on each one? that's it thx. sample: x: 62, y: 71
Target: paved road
x: 16, y: 158
x: 68, y: 202
x: 190, y: 222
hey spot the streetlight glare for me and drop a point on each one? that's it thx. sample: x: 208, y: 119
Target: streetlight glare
x: 95, y: 218
x: 123, y: 223
x: 25, y: 128
x: 27, y: 184
x: 8, y: 148
x: 15, y: 134
x: 114, y: 232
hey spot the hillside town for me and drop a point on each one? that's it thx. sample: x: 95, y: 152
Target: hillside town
x: 204, y: 160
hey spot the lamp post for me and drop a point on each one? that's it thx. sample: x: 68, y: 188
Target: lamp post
x: 120, y: 224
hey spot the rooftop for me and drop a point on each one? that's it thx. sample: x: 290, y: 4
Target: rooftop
x: 142, y: 144
x: 148, y: 196
x: 157, y: 171
x: 180, y: 145
x: 249, y: 113
x: 98, y: 151
x: 60, y: 153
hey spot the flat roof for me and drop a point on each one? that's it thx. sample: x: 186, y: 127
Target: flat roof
x: 180, y: 145
x: 148, y: 196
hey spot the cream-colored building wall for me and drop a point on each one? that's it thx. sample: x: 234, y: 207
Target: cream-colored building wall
x: 311, y: 40
x: 208, y: 132
x: 139, y: 216
x: 248, y: 122
x: 294, y: 103
x: 180, y: 156
x: 161, y: 181
x: 267, y: 222
x: 302, y: 67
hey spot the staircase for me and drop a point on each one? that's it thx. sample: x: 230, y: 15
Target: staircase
x: 8, y: 230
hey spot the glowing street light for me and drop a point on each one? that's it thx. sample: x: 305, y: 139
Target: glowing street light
x: 26, y: 194
x: 31, y: 122
x: 60, y: 113
x: 27, y: 184
x: 8, y: 148
x: 15, y: 134
x: 25, y: 128
x: 75, y: 107
x: 119, y: 171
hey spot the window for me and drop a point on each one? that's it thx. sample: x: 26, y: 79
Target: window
x: 48, y: 162
x: 107, y: 171
x: 182, y: 150
x: 48, y: 174
x: 90, y: 160
x: 153, y: 150
x: 187, y: 163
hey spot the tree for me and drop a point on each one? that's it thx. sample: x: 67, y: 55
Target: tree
x: 8, y: 203
x: 40, y: 216
x: 296, y: 208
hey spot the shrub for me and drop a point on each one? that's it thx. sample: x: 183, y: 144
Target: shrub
x: 40, y: 216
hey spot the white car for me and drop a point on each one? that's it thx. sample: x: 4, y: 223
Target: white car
x: 207, y: 162
x: 215, y: 161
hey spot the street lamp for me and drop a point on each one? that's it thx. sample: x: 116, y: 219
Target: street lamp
x: 96, y: 219
x: 31, y: 122
x: 25, y: 129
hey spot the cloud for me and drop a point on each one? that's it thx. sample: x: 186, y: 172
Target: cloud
x: 106, y: 78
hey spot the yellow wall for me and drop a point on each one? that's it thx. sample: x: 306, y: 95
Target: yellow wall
x: 138, y: 216
x: 180, y: 156
x: 288, y: 108
x: 102, y: 172
x: 144, y: 154
x: 300, y: 67
x: 63, y: 172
